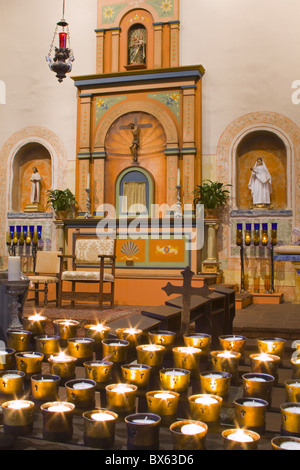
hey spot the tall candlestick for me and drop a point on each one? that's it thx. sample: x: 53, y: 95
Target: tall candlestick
x: 178, y: 177
x: 14, y: 268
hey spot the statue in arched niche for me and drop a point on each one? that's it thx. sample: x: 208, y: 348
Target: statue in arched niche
x: 35, y: 186
x: 260, y: 184
x: 137, y: 40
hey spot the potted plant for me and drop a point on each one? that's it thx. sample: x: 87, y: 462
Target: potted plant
x: 62, y: 201
x: 212, y: 195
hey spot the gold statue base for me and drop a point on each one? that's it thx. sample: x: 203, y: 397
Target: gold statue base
x: 33, y: 208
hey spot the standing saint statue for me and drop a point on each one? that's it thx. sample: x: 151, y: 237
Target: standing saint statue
x: 135, y: 141
x: 35, y: 186
x: 260, y: 183
x: 137, y: 45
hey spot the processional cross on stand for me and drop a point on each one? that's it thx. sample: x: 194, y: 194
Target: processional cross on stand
x: 135, y: 128
x: 186, y: 290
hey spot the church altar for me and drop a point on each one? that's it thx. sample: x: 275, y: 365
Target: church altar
x: 149, y: 252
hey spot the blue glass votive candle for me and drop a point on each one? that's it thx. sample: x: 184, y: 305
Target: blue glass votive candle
x: 239, y: 234
x: 248, y: 235
x: 274, y: 234
x: 264, y: 235
x: 256, y: 234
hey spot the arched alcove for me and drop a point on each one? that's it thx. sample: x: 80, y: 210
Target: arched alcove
x: 272, y: 150
x: 134, y: 176
x: 32, y: 154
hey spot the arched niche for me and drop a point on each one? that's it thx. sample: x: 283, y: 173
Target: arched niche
x: 131, y: 22
x: 272, y: 150
x: 32, y: 154
x: 151, y: 154
x: 134, y: 175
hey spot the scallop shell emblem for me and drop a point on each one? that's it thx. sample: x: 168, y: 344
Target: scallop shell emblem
x: 129, y: 250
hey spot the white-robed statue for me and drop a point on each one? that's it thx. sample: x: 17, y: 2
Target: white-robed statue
x: 35, y: 186
x: 260, y: 183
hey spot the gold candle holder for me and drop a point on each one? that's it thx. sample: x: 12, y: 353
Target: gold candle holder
x: 143, y: 431
x: 215, y: 383
x: 205, y: 407
x: 121, y: 397
x: 132, y: 335
x: 57, y: 421
x: 258, y: 386
x: 250, y: 413
x: 12, y: 383
x: 19, y: 340
x: 188, y: 435
x: 99, y: 428
x: 115, y: 350
x: 295, y: 362
x: 137, y: 374
x: 18, y: 417
x: 265, y: 364
x: 99, y: 371
x: 290, y: 419
x: 176, y: 380
x: 44, y: 387
x: 240, y: 439
x: 63, y: 366
x: 81, y: 348
x: 97, y: 332
x: 7, y: 359
x: 271, y: 346
x: 150, y: 354
x: 296, y: 344
x: 234, y: 343
x: 66, y: 329
x: 198, y: 340
x: 162, y: 403
x: 285, y: 443
x: 226, y: 361
x: 36, y: 324
x: 162, y: 337
x: 292, y: 390
x: 81, y: 392
x: 187, y: 357
x: 29, y: 362
x: 47, y: 345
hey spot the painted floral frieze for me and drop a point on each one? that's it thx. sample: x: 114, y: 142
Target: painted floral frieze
x: 171, y: 100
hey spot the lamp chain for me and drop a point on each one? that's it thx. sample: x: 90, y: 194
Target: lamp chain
x: 52, y: 44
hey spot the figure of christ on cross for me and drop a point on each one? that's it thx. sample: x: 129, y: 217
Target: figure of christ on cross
x: 135, y: 129
x: 186, y: 290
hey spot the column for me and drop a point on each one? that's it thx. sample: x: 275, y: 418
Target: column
x: 174, y: 43
x: 60, y: 235
x: 211, y: 264
x: 115, y: 49
x: 100, y: 33
x: 157, y: 60
x: 84, y: 150
x: 188, y: 146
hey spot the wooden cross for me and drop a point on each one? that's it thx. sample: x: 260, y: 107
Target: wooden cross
x: 186, y: 290
x: 136, y: 140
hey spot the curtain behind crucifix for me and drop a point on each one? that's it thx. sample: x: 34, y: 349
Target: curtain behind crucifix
x: 135, y: 192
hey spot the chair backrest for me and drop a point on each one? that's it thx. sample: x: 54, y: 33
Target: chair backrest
x: 47, y: 262
x: 87, y: 249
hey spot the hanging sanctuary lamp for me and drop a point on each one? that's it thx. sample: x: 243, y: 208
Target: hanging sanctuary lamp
x: 61, y: 63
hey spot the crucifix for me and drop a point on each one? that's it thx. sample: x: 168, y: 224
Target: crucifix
x: 186, y: 290
x: 135, y: 129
